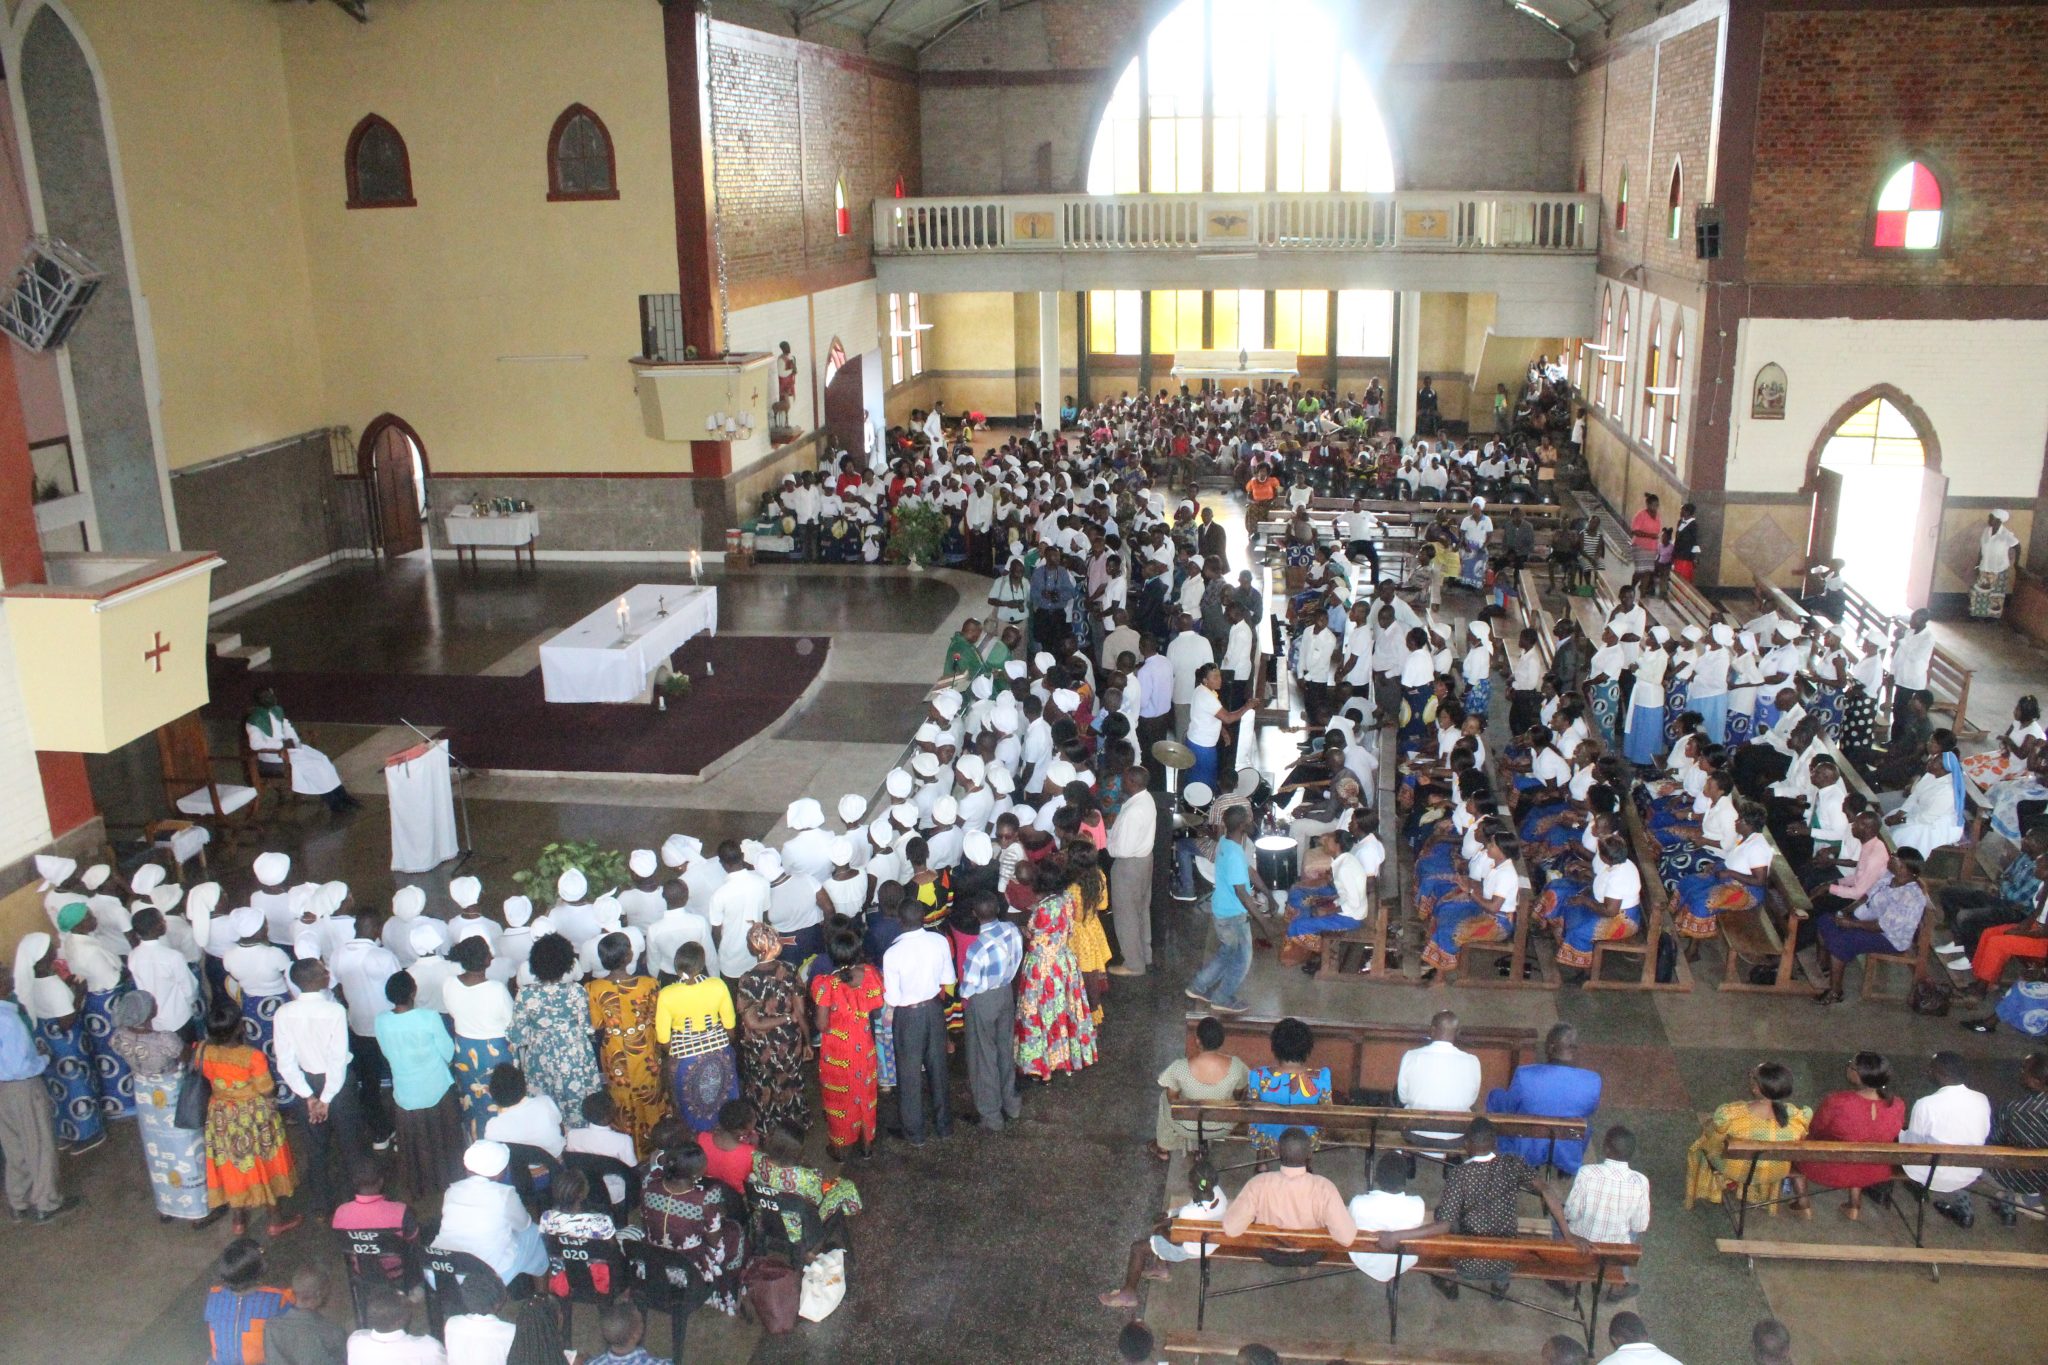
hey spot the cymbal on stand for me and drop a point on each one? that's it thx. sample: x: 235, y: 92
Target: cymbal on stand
x: 1171, y: 754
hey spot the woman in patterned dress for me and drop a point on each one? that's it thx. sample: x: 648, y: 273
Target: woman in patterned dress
x: 88, y: 962
x: 51, y: 1004
x: 774, y: 1036
x: 480, y: 1014
x: 175, y: 1157
x: 551, y: 1025
x: 848, y: 999
x: 620, y: 1006
x: 1055, y: 1031
x: 703, y: 1219
x: 248, y: 1162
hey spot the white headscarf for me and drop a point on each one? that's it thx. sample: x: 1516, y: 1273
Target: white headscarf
x: 43, y: 997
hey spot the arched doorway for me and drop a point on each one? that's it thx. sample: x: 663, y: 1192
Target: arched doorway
x: 1877, y: 490
x: 392, y: 461
x: 845, y: 412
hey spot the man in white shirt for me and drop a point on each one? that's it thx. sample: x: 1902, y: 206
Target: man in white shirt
x: 481, y: 1214
x: 385, y: 1341
x: 162, y: 970
x: 1239, y: 648
x: 312, y: 1041
x: 1133, y: 837
x: 679, y: 924
x: 1316, y: 666
x: 915, y: 969
x: 1439, y: 1075
x: 1630, y: 1337
x: 1911, y: 657
x: 740, y: 902
x: 527, y: 1119
x: 360, y: 968
x: 1957, y: 1116
x: 1189, y: 652
x: 1387, y: 1207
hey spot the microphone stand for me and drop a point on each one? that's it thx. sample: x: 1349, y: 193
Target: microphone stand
x: 466, y: 849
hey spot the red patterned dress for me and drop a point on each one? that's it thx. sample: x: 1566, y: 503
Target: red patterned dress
x: 847, y: 1070
x: 1055, y: 1028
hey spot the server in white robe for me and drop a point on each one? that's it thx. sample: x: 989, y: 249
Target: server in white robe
x: 277, y: 745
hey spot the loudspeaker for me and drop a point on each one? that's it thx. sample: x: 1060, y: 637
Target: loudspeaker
x: 49, y: 292
x: 1706, y: 232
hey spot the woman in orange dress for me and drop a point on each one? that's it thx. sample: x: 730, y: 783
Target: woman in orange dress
x: 848, y: 997
x: 248, y: 1162
x: 622, y: 1012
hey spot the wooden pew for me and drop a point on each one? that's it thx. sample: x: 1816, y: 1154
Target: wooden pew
x: 1656, y: 910
x: 1933, y: 1155
x: 1367, y: 1056
x: 1528, y: 1258
x: 1381, y: 1127
x: 1200, y: 1345
x: 1768, y: 934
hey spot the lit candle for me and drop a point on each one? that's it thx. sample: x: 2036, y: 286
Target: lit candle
x: 696, y: 565
x: 625, y: 616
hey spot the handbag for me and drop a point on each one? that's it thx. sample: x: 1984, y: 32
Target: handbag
x: 774, y: 1291
x: 195, y: 1093
x: 824, y: 1286
x: 1930, y: 997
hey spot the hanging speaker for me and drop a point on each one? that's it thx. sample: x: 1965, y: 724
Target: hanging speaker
x: 1706, y: 232
x: 49, y: 292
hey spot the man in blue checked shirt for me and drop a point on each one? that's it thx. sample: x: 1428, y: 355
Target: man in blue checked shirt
x: 987, y: 985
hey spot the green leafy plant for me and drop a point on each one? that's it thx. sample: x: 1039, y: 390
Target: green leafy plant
x: 604, y: 868
x: 917, y: 533
x: 675, y: 684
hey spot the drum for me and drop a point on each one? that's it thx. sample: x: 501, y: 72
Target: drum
x: 1279, y: 860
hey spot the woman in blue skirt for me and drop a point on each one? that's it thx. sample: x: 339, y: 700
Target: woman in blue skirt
x: 1481, y: 910
x: 1645, y: 729
x: 52, y: 1005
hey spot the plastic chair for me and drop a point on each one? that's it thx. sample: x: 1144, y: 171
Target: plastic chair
x: 665, y: 1282
x: 770, y: 1214
x: 525, y: 1156
x: 596, y: 1167
x: 577, y: 1262
x: 366, y: 1251
x: 447, y: 1272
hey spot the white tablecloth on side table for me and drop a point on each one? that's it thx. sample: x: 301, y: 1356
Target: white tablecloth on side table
x: 422, y: 811
x: 517, y: 528
x: 588, y: 662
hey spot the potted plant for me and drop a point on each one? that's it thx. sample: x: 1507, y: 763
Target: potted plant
x: 670, y: 685
x: 604, y: 868
x: 915, y: 539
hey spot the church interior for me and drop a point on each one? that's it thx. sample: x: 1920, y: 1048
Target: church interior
x: 941, y: 419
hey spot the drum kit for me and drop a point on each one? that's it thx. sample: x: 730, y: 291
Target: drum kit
x: 1172, y: 754
x: 1279, y: 860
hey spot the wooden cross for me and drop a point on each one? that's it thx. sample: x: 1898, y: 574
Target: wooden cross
x: 156, y: 656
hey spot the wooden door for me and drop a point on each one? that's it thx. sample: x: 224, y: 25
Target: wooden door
x: 845, y: 412
x: 1827, y: 505
x: 1926, y: 538
x: 387, y: 462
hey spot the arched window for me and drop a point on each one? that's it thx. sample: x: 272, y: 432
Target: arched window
x: 1618, y: 362
x: 1653, y: 358
x: 378, y: 167
x: 1582, y: 177
x: 1621, y: 203
x: 1243, y: 96
x: 580, y: 162
x: 1675, y: 206
x: 1603, y: 370
x: 897, y: 188
x: 842, y: 215
x: 1878, y: 434
x: 1676, y: 383
x: 1909, y: 216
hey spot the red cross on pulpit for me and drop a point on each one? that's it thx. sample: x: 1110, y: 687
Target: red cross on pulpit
x: 156, y: 655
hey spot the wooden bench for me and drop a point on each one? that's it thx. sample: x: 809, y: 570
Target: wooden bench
x: 1528, y: 1258
x: 1656, y: 912
x: 1367, y: 1056
x: 1933, y: 1155
x: 1225, y: 1348
x: 1947, y: 678
x: 1373, y: 1128
x: 1767, y: 934
x: 1934, y: 1258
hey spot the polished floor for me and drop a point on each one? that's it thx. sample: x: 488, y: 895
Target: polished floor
x: 994, y: 1247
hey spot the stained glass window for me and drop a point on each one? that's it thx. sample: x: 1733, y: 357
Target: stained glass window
x: 1909, y: 214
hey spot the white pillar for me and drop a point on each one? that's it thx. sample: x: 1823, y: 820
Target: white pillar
x: 1408, y: 374
x: 1049, y: 358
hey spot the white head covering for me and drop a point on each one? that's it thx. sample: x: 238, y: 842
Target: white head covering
x: 38, y: 999
x: 947, y: 703
x: 1788, y: 630
x: 1042, y: 660
x: 925, y: 765
x: 609, y: 913
x: 1722, y: 635
x: 977, y: 848
x: 1660, y: 635
x: 882, y: 832
x: 945, y: 811
x: 1000, y: 782
x: 903, y: 815
x: 147, y: 878
x: 1480, y: 630
x: 246, y: 922
x: 1747, y: 641
x: 487, y: 1159
x: 53, y: 869
x: 1005, y: 720
x: 465, y: 891
x: 1067, y: 699
x: 572, y: 885
x: 678, y: 849
x: 970, y: 768
x: 841, y: 853
x: 643, y: 862
x: 1692, y: 633
x: 804, y: 813
x: 306, y: 947
x: 2000, y: 514
x: 1014, y: 669
x: 95, y: 876
x: 424, y: 939
x: 166, y: 898
x: 1060, y: 773
x: 202, y: 900
x: 852, y: 808
x: 301, y: 899
x: 518, y: 911
x: 1027, y: 816
x: 408, y: 901
x: 927, y: 733
x: 982, y: 688
x: 900, y: 784
x: 272, y: 868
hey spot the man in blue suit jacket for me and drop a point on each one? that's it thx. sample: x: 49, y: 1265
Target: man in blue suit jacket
x: 1552, y: 1089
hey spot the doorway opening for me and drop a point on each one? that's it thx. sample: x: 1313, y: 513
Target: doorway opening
x: 1877, y: 494
x: 392, y: 462
x: 845, y: 412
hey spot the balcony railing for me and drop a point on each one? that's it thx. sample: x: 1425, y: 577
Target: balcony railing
x: 1413, y: 220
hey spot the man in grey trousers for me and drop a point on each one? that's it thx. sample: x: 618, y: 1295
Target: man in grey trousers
x: 1131, y: 841
x: 27, y: 1136
x: 988, y: 986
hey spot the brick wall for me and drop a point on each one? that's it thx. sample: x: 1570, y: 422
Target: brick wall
x: 790, y: 119
x: 1848, y: 96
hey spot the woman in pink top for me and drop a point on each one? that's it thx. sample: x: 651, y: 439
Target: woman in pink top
x: 1645, y: 534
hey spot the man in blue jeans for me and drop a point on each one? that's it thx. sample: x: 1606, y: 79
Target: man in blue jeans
x: 1231, y: 902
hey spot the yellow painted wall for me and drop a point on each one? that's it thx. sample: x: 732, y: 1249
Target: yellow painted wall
x: 198, y: 93
x: 414, y: 306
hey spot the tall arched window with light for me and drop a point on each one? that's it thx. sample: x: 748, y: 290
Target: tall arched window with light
x: 1674, y: 206
x: 1244, y: 97
x: 1653, y: 357
x: 1676, y: 383
x: 1605, y: 372
x: 1618, y: 362
x: 1621, y: 203
x: 1909, y: 215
